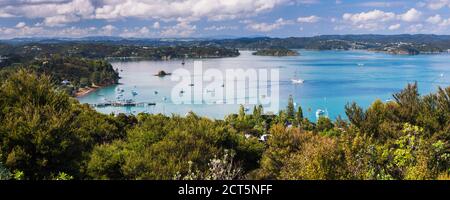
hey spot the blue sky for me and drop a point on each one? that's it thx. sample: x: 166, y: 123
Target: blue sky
x: 205, y: 18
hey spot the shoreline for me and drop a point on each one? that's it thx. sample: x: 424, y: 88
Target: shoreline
x: 85, y: 91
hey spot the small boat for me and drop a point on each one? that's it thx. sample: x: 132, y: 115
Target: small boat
x: 163, y: 73
x: 120, y: 90
x: 191, y: 85
x: 360, y: 64
x: 320, y: 113
x: 297, y: 81
x: 165, y: 99
x: 134, y: 93
x: 264, y: 138
x: 182, y: 92
x: 184, y: 60
x: 156, y: 92
x: 219, y: 102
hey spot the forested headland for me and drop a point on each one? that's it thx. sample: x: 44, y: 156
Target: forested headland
x: 78, y: 67
x: 47, y: 134
x: 276, y: 52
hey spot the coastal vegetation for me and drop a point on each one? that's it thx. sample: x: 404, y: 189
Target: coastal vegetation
x: 391, y: 44
x: 72, y: 74
x: 80, y: 68
x: 276, y: 52
x: 19, y: 53
x: 46, y: 134
x: 20, y: 50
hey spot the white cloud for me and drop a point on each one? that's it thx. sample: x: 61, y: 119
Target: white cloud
x: 26, y: 31
x: 310, y: 19
x: 220, y: 28
x: 156, y: 25
x: 394, y: 27
x: 370, y: 26
x: 434, y: 19
x: 379, y: 20
x: 267, y: 27
x: 108, y: 30
x: 53, y: 12
x: 411, y: 15
x: 445, y: 22
x: 375, y: 15
x: 137, y: 32
x: 308, y: 1
x: 381, y: 4
x: 437, y: 4
x: 21, y: 25
x: 415, y: 28
x: 60, y: 20
x: 173, y: 9
x: 182, y: 29
x: 63, y: 12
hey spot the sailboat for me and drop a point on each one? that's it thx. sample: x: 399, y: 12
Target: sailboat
x: 297, y: 81
x: 184, y: 60
x: 322, y: 113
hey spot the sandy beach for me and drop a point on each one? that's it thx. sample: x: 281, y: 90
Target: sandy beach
x: 85, y: 91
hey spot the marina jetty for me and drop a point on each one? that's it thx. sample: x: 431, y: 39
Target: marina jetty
x: 122, y: 104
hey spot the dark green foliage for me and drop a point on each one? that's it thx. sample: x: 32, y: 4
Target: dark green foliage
x: 26, y: 52
x: 290, y: 110
x: 46, y: 134
x: 276, y: 52
x: 324, y: 124
x: 43, y: 132
x: 5, y: 174
x: 299, y: 115
x: 160, y: 147
x: 80, y: 72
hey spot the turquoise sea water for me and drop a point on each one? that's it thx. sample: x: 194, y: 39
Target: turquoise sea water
x: 332, y: 79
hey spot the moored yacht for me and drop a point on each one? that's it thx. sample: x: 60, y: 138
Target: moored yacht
x: 297, y: 81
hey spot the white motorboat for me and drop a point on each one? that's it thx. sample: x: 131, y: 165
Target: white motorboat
x: 297, y: 81
x: 320, y: 113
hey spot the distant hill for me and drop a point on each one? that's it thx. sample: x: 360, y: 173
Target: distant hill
x: 396, y: 44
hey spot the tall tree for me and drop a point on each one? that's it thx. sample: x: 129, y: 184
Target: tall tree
x: 290, y: 112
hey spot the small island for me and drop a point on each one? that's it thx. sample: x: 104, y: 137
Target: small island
x: 162, y: 74
x: 276, y: 52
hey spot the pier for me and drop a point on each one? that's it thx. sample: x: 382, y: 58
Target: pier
x: 122, y: 104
